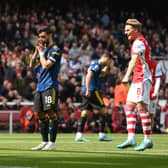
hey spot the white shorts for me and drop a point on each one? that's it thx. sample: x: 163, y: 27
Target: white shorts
x: 139, y: 92
x: 152, y: 106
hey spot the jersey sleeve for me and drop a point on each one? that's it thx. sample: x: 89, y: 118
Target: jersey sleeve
x: 94, y: 67
x: 158, y: 72
x: 54, y: 54
x: 138, y: 47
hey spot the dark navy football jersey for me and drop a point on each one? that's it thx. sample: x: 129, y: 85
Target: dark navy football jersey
x: 96, y: 68
x: 48, y: 77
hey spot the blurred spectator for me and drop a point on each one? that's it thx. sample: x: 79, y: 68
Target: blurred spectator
x: 62, y: 125
x: 10, y: 74
x: 74, y: 51
x: 9, y: 93
x: 105, y: 20
x: 70, y: 106
x: 120, y: 93
x: 75, y: 64
x: 72, y: 123
x: 19, y: 83
x: 156, y: 124
x: 1, y: 73
x: 29, y: 91
x: 4, y: 89
x: 13, y: 95
x: 28, y: 119
x: 117, y: 118
x: 68, y: 89
x: 65, y: 63
x: 161, y: 94
x: 77, y: 96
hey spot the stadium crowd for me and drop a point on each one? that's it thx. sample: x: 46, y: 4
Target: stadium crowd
x: 83, y: 34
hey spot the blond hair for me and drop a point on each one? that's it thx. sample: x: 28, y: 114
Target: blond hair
x: 134, y: 23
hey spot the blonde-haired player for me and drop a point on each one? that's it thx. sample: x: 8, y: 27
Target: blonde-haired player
x: 139, y: 91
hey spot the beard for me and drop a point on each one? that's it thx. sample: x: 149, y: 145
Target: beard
x: 46, y: 43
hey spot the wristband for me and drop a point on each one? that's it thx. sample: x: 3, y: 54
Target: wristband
x: 41, y: 53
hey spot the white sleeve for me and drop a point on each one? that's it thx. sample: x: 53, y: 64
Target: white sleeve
x: 158, y: 71
x: 138, y: 47
x: 157, y: 86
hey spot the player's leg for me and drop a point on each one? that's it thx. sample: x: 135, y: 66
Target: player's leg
x: 146, y: 125
x: 142, y: 108
x: 42, y: 122
x: 53, y: 127
x: 130, y: 114
x: 98, y: 103
x: 81, y: 125
x: 102, y: 123
x: 85, y: 111
x: 50, y: 101
x: 131, y: 123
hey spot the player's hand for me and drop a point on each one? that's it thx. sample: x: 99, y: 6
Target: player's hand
x: 153, y: 96
x: 40, y: 45
x: 125, y: 80
x: 87, y: 94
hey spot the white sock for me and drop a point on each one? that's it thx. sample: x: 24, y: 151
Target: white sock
x: 101, y: 134
x: 131, y: 136
x: 51, y: 143
x: 78, y: 135
x: 147, y: 138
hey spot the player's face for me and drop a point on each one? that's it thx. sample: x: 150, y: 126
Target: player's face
x: 130, y: 32
x: 44, y: 37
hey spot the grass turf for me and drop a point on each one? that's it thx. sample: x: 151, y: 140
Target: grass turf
x: 15, y: 152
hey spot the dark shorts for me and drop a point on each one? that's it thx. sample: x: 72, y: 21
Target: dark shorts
x: 95, y: 101
x: 46, y: 100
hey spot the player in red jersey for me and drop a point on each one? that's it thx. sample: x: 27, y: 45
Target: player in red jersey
x: 139, y: 92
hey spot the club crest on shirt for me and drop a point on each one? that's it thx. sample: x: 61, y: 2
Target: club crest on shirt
x: 96, y: 68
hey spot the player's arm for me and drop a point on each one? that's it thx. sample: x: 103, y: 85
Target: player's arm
x: 88, y: 79
x: 157, y: 86
x: 53, y: 57
x: 158, y: 74
x: 33, y: 59
x: 46, y: 63
x: 131, y: 66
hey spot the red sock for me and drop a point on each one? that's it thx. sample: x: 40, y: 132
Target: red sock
x: 145, y: 120
x: 131, y: 118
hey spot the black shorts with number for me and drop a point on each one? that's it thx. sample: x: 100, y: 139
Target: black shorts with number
x: 95, y: 101
x: 46, y: 100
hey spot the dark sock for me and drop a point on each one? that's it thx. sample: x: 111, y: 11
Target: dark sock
x: 53, y: 127
x: 81, y: 124
x: 102, y: 123
x: 43, y: 127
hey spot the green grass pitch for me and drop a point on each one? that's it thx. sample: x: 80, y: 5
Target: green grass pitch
x: 15, y: 152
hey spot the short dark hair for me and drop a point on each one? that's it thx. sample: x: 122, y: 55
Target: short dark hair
x: 107, y: 54
x: 45, y: 29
